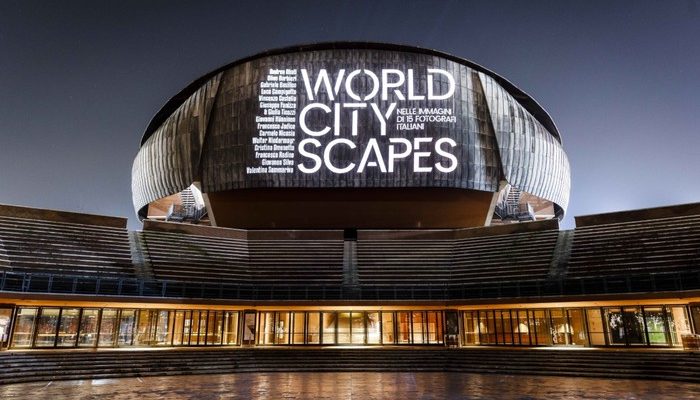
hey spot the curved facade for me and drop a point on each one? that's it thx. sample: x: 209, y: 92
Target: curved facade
x: 363, y: 120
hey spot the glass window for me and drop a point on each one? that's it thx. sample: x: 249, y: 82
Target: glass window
x: 695, y: 313
x: 522, y: 330
x: 68, y: 327
x: 208, y: 327
x: 358, y: 327
x: 470, y: 324
x: 164, y: 328
x: 24, y: 327
x: 656, y: 325
x: 46, y: 327
x: 387, y: 327
x: 202, y: 329
x: 505, y: 333
x: 187, y: 329
x: 231, y: 328
x: 616, y: 326
x: 577, y: 327
x: 596, y: 328
x: 178, y: 328
x: 561, y: 330
x: 313, y: 328
x: 487, y: 327
x: 449, y: 321
x: 374, y: 331
x: 108, y: 327
x: 88, y: 327
x: 418, y: 325
x: 540, y: 322
x: 191, y: 327
x: 146, y: 320
x: 282, y: 328
x: 248, y: 328
x: 330, y: 320
x: 126, y: 327
x: 266, y: 330
x: 298, y: 329
x: 344, y: 327
x: 679, y: 323
x: 434, y: 327
x: 404, y: 325
x: 214, y: 327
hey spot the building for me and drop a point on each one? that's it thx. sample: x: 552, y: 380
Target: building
x: 350, y: 194
x: 396, y: 132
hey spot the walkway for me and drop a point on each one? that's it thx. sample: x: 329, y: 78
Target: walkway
x: 353, y: 385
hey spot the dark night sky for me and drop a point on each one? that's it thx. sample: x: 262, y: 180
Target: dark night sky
x: 79, y: 81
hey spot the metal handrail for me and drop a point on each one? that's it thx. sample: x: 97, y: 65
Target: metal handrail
x: 25, y: 282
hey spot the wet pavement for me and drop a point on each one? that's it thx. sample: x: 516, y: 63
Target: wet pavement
x: 353, y: 385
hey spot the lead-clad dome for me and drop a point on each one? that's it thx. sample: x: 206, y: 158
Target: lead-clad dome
x: 351, y: 116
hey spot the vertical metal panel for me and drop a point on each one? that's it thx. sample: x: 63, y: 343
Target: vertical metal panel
x: 531, y: 158
x: 4, y: 259
x: 169, y: 160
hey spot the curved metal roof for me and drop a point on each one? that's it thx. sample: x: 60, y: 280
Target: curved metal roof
x: 523, y: 98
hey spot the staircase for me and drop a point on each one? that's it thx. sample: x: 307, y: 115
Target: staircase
x: 32, y: 366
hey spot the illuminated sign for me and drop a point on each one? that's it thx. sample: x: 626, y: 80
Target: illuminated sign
x: 349, y: 121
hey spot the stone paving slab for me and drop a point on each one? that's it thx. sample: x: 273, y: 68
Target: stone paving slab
x: 353, y: 385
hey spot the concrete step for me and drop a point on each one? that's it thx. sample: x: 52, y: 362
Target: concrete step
x: 32, y: 366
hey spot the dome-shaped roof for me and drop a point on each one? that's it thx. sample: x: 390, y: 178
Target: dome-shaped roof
x: 523, y: 98
x: 428, y: 120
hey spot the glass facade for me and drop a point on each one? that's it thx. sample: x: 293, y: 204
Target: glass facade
x: 349, y: 328
x: 605, y: 326
x: 111, y: 327
x: 70, y: 327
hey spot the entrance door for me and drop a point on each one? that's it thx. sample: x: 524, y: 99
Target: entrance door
x: 634, y: 326
x: 625, y: 326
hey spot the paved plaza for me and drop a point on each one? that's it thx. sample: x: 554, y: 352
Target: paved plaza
x: 353, y: 385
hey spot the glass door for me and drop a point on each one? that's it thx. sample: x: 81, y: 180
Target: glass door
x: 127, y: 323
x: 249, y: 328
x: 625, y: 326
x: 634, y: 325
x: 313, y: 328
x: 470, y: 323
x: 108, y: 327
x: 560, y: 327
x: 374, y: 331
x: 47, y: 324
x: 679, y: 324
x: 329, y: 327
x: 388, y: 327
x: 358, y: 328
x: 89, y: 321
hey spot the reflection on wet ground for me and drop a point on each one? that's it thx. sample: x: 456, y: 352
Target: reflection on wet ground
x: 353, y: 385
